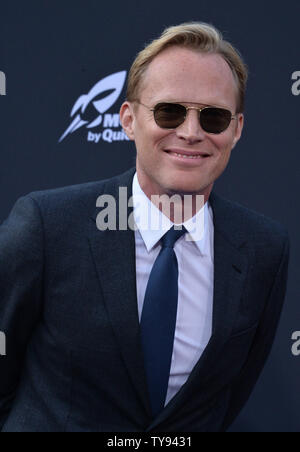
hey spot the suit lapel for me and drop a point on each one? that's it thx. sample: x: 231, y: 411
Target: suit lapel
x: 114, y: 256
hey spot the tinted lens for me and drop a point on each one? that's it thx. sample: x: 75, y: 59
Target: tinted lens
x: 215, y: 120
x: 169, y: 116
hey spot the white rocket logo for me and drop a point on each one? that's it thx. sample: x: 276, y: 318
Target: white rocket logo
x: 114, y: 84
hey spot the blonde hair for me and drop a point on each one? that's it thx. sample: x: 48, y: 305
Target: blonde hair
x: 197, y: 36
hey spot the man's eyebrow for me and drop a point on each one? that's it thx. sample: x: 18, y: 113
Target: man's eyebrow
x: 200, y: 104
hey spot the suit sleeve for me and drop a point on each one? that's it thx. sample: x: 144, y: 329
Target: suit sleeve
x: 262, y: 344
x: 21, y: 274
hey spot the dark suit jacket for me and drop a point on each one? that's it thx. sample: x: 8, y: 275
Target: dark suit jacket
x: 68, y: 307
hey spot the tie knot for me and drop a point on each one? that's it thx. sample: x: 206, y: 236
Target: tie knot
x: 171, y: 237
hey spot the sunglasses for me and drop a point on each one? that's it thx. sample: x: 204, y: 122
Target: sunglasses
x: 170, y: 116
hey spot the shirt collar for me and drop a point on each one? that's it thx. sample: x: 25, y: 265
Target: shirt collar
x: 144, y: 211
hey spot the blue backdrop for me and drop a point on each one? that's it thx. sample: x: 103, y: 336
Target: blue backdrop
x: 54, y: 52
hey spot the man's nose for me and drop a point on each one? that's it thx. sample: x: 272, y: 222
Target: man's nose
x: 191, y: 130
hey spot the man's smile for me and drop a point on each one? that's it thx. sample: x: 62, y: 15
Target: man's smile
x: 188, y: 157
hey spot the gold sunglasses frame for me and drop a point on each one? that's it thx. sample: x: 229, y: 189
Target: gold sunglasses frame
x: 233, y: 117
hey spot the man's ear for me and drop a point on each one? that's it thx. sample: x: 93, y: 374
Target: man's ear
x: 127, y: 118
x: 239, y: 129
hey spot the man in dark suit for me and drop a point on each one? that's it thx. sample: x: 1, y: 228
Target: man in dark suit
x: 141, y: 330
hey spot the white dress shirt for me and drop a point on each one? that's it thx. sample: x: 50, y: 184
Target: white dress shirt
x: 195, y: 281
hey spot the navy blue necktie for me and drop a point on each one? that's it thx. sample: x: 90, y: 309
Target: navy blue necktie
x: 159, y: 319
